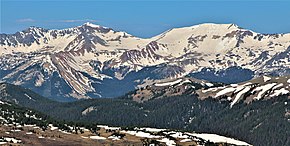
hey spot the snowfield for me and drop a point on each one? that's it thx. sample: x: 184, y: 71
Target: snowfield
x: 152, y: 129
x: 140, y: 134
x: 266, y: 78
x: 225, y: 91
x: 264, y: 89
x: 9, y: 139
x: 254, y: 90
x: 218, y: 139
x: 168, y: 142
x: 97, y: 137
x: 183, y: 136
x: 239, y: 95
x: 168, y: 83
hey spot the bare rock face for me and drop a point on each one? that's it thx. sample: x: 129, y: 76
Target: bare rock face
x: 83, y: 61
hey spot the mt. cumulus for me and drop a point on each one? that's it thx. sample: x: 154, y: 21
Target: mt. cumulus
x: 92, y: 60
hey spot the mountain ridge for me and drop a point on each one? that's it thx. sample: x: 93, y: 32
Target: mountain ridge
x: 86, y: 58
x: 103, y: 26
x: 264, y: 122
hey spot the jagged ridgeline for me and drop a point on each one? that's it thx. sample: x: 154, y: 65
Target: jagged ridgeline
x: 90, y: 61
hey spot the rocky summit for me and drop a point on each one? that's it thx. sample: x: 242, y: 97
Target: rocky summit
x: 89, y: 60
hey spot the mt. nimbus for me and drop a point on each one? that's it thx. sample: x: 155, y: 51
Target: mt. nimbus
x: 92, y: 60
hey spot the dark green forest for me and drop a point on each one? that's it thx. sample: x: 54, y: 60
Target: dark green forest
x: 259, y: 123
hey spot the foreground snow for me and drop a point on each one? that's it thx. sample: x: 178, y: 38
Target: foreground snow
x: 182, y: 136
x: 97, y: 137
x: 218, y: 139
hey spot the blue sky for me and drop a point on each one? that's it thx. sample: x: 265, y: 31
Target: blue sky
x: 145, y: 18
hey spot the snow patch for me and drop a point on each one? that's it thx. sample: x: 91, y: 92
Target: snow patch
x: 168, y: 83
x: 266, y: 79
x: 97, y: 137
x: 263, y: 89
x: 9, y: 139
x: 140, y: 134
x: 281, y: 91
x: 239, y: 95
x: 30, y: 98
x: 185, y: 140
x: 152, y: 129
x: 219, y: 139
x: 179, y: 135
x: 114, y: 137
x: 225, y: 91
x: 167, y: 141
x: 109, y: 128
x: 209, y: 84
x: 88, y: 110
x: 52, y: 127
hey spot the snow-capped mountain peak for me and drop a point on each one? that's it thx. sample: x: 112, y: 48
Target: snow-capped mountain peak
x: 91, y: 28
x: 89, y: 24
x: 83, y: 56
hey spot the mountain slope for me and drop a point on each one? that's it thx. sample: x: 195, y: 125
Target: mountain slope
x: 262, y: 88
x: 22, y: 126
x: 82, y: 61
x: 263, y: 122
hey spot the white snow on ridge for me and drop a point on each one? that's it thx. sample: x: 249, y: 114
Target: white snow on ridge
x: 225, y: 91
x: 186, y: 140
x: 263, y: 89
x: 109, y: 128
x: 97, y: 137
x: 266, y: 79
x: 30, y: 98
x: 239, y: 95
x: 184, y: 82
x: 281, y: 91
x: 92, y: 25
x: 205, y: 41
x: 234, y: 85
x: 88, y: 110
x: 9, y: 139
x: 114, y: 137
x: 140, y: 134
x: 218, y: 139
x: 209, y: 84
x: 168, y: 83
x: 52, y: 127
x: 278, y: 86
x: 179, y: 135
x: 152, y: 129
x: 212, y: 89
x: 234, y: 88
x: 167, y: 141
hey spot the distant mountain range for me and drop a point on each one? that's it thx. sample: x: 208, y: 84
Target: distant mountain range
x: 90, y: 61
